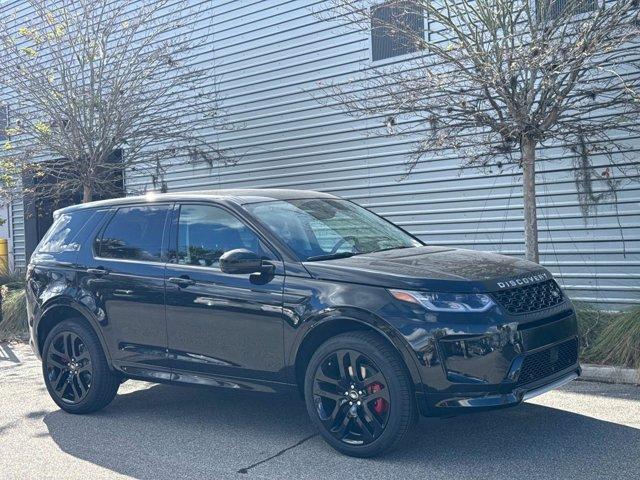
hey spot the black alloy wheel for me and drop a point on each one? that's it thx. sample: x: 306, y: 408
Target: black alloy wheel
x: 359, y: 394
x: 351, y: 397
x: 75, y: 368
x: 69, y: 368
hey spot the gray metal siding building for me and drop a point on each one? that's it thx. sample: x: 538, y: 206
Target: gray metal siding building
x: 272, y: 57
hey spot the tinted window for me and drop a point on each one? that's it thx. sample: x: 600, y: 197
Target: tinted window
x: 65, y: 229
x: 134, y: 233
x: 206, y: 232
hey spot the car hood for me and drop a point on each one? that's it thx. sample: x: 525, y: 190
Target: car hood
x: 432, y: 269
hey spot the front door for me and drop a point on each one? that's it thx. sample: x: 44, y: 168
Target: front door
x: 218, y: 324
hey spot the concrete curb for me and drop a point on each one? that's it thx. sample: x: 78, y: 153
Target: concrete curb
x: 601, y: 373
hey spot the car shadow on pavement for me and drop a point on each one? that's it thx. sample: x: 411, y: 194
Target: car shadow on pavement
x: 166, y: 432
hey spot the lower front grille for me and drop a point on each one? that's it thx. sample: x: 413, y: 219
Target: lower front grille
x: 548, y: 361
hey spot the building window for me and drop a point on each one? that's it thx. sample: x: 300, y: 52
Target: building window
x: 4, y: 121
x: 396, y: 29
x: 552, y: 9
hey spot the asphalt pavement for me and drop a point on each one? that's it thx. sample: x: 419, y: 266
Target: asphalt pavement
x: 582, y: 431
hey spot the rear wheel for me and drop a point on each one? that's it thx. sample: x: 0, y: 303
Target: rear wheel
x: 359, y: 395
x: 75, y: 368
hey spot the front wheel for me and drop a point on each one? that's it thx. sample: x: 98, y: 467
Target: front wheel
x: 75, y: 368
x: 358, y: 393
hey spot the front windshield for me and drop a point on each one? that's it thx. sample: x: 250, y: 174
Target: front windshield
x: 320, y: 229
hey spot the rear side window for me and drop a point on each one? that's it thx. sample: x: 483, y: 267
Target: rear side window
x: 62, y: 234
x: 134, y: 233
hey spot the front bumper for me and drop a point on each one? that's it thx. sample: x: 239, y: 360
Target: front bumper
x: 453, y: 405
x: 500, y: 367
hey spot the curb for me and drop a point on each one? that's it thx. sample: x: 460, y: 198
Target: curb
x: 600, y: 373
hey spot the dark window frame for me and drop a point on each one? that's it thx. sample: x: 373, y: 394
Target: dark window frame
x: 385, y: 44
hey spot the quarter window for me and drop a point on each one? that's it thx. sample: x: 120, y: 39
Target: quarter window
x: 134, y: 233
x: 61, y: 235
x: 206, y: 232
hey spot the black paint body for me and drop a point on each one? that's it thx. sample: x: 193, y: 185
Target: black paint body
x: 248, y: 332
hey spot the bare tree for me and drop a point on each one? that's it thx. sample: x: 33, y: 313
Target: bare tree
x: 496, y: 79
x: 87, y: 78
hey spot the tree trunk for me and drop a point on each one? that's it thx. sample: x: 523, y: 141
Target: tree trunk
x: 528, y: 149
x: 87, y: 193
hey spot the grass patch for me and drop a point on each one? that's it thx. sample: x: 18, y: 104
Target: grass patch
x: 591, y: 323
x: 14, y: 315
x: 13, y: 324
x: 619, y: 341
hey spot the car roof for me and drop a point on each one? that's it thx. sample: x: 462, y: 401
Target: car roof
x: 241, y: 196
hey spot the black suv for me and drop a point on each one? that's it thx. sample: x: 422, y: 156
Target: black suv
x: 280, y: 290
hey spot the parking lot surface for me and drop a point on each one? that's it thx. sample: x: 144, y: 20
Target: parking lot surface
x: 582, y: 431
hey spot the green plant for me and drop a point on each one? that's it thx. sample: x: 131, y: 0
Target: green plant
x: 14, y: 314
x: 591, y: 322
x: 619, y: 341
x: 13, y: 280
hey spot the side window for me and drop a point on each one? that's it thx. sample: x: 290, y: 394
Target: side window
x: 134, y: 233
x: 61, y: 235
x: 205, y: 232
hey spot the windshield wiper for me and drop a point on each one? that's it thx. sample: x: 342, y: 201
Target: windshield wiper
x: 331, y: 256
x: 391, y: 248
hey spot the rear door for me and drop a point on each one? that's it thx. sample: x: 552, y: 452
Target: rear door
x: 221, y: 324
x: 123, y: 278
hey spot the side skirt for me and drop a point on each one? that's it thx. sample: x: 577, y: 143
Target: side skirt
x: 174, y: 377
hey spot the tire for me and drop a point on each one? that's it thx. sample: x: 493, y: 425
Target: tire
x: 386, y: 410
x: 75, y: 368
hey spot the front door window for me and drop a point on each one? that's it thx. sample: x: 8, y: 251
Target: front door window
x: 206, y: 232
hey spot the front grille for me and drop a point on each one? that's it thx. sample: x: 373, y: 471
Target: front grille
x: 530, y: 298
x: 548, y: 361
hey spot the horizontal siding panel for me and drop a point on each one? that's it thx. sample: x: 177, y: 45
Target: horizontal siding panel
x: 274, y: 62
x: 274, y: 58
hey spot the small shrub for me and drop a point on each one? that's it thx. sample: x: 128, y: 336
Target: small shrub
x: 13, y: 281
x: 619, y: 341
x: 13, y: 324
x: 591, y: 322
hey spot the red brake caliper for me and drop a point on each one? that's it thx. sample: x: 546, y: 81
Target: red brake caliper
x: 380, y: 405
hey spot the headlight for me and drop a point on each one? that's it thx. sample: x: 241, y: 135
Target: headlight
x: 446, y: 302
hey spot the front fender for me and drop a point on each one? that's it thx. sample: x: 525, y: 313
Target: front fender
x: 336, y: 315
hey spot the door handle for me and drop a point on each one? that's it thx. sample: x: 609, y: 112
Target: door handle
x: 181, y: 282
x: 208, y: 301
x: 122, y: 293
x: 99, y: 272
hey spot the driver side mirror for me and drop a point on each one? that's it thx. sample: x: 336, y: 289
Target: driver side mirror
x: 241, y: 261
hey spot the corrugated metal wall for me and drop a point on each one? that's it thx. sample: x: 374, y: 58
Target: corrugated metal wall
x: 16, y: 232
x: 272, y: 57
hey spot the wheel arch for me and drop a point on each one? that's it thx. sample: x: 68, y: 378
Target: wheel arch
x: 56, y: 313
x: 323, y: 330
